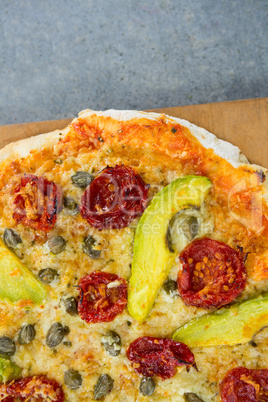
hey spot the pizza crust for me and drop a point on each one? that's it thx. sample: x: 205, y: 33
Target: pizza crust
x: 224, y: 149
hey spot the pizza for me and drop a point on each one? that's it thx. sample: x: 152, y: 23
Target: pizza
x: 133, y: 264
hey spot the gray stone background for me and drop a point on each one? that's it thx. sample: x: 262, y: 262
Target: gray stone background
x: 61, y: 56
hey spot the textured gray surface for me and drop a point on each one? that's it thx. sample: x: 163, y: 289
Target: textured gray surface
x: 61, y: 56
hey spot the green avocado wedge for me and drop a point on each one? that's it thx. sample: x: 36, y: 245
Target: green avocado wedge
x: 227, y: 326
x: 152, y: 258
x: 8, y: 370
x: 17, y: 283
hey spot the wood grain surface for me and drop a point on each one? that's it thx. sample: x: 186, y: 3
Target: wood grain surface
x: 244, y: 123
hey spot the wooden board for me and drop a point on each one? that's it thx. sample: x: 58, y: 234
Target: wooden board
x: 244, y: 123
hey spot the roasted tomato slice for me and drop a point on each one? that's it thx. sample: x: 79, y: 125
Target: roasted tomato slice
x: 114, y: 198
x: 102, y: 297
x: 244, y: 385
x: 213, y: 273
x: 155, y: 356
x: 36, y: 202
x: 37, y: 388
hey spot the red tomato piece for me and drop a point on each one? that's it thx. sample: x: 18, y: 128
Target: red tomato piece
x: 102, y: 297
x: 114, y: 198
x: 213, y: 274
x: 244, y: 385
x: 156, y: 356
x: 37, y: 202
x: 37, y: 388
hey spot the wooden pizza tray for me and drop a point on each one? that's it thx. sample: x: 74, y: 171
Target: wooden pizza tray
x: 244, y: 123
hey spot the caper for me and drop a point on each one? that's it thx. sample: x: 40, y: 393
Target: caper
x: 70, y: 305
x: 56, y: 334
x: 48, y: 275
x: 170, y: 286
x: 112, y: 343
x: 182, y: 228
x: 88, y: 247
x: 56, y: 244
x: 103, y: 387
x: 72, y: 379
x: 7, y: 346
x: 190, y: 227
x: 191, y: 397
x: 11, y: 238
x: 81, y: 179
x: 26, y: 334
x: 70, y: 204
x: 147, y: 386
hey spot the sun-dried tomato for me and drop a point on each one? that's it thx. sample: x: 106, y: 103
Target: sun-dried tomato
x: 244, y: 385
x: 213, y: 273
x: 37, y: 202
x: 102, y: 297
x: 114, y: 198
x: 37, y: 388
x: 155, y: 356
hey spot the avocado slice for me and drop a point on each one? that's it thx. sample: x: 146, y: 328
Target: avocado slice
x: 227, y: 326
x: 152, y: 256
x: 17, y: 283
x: 8, y: 370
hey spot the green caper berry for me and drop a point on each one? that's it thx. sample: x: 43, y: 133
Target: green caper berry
x: 103, y: 387
x: 56, y: 244
x: 26, y: 334
x: 81, y: 179
x: 48, y: 275
x: 147, y: 386
x: 7, y: 346
x: 112, y: 343
x: 191, y: 397
x: 88, y: 247
x: 70, y: 306
x: 70, y: 204
x: 73, y: 379
x: 170, y: 287
x: 11, y: 238
x: 56, y: 334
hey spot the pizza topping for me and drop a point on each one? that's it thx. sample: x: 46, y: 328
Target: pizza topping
x: 147, y: 386
x: 244, y: 385
x: 102, y: 297
x: 213, y: 274
x: 103, y: 387
x: 71, y: 206
x: 183, y: 228
x: 191, y: 397
x: 48, y: 275
x: 11, y: 238
x: 114, y: 198
x: 37, y: 202
x: 112, y: 343
x: 17, y: 282
x: 154, y: 356
x: 37, y: 388
x: 26, y: 334
x: 245, y: 319
x: 170, y: 287
x: 90, y: 249
x: 55, y: 334
x: 152, y: 258
x: 73, y: 379
x: 7, y: 346
x: 70, y: 305
x: 56, y: 244
x: 8, y: 370
x: 81, y: 179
